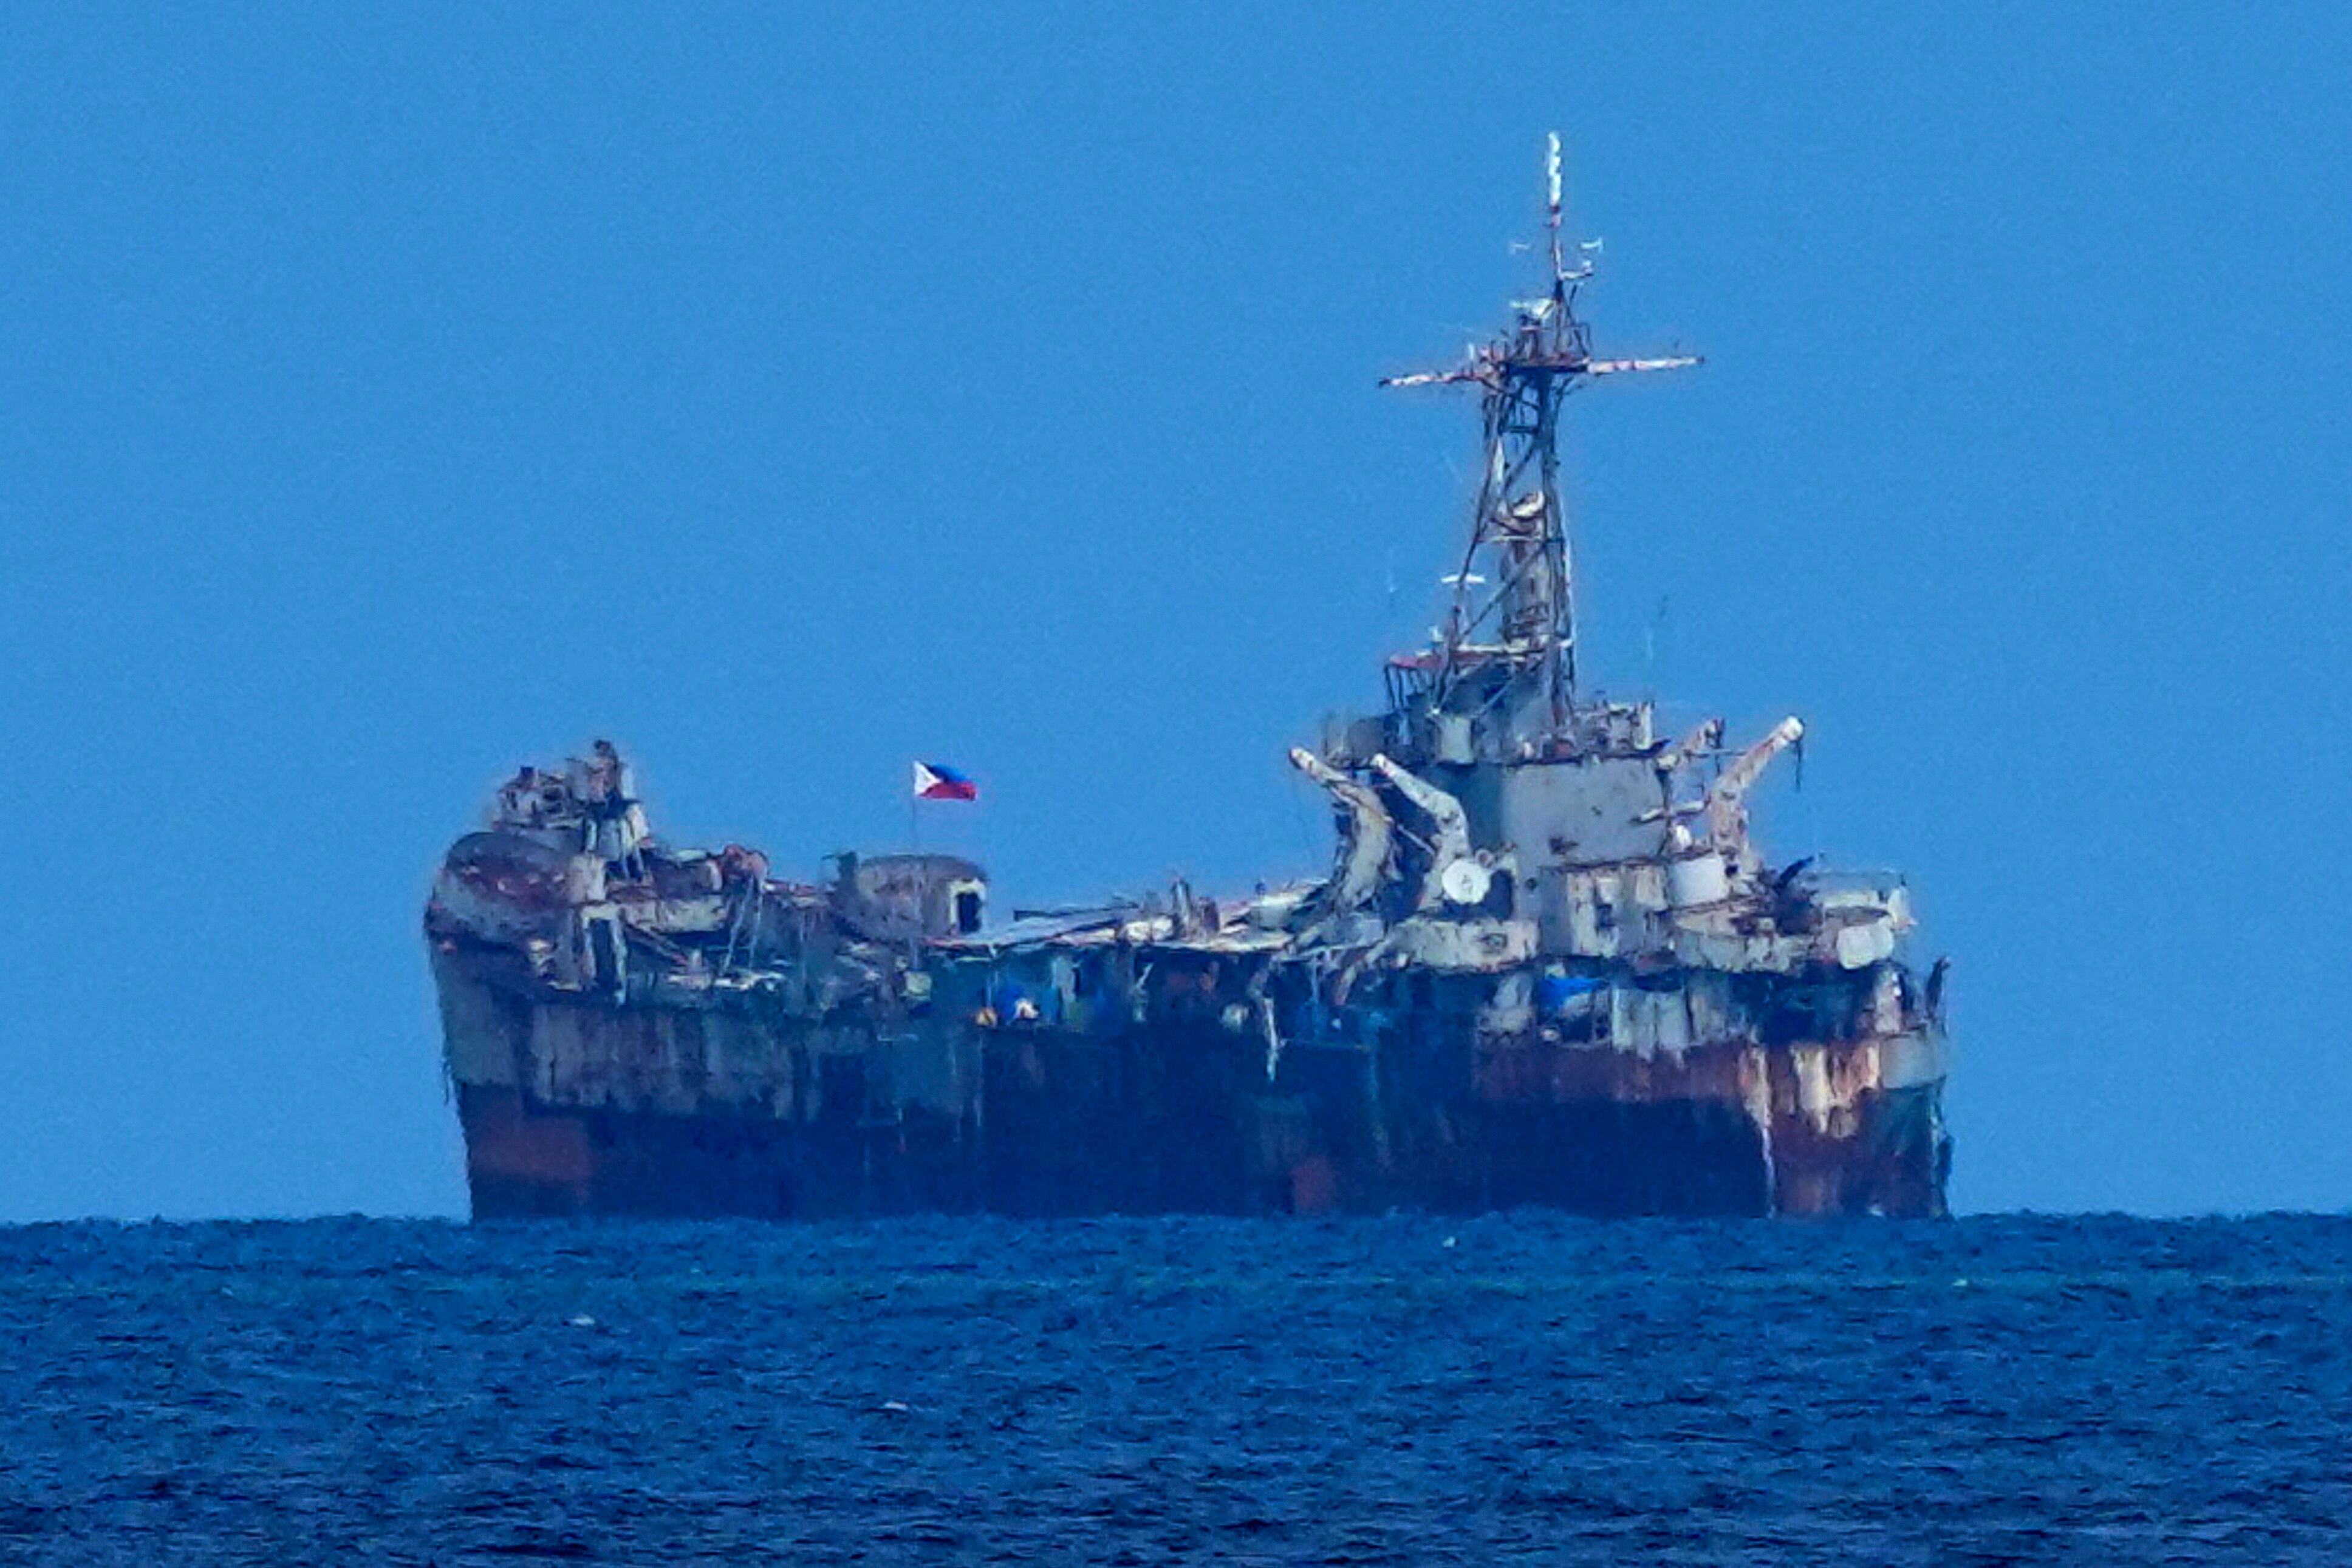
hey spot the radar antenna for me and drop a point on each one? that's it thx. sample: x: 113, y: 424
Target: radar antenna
x: 1519, y: 615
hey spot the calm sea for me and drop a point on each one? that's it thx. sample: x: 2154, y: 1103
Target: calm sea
x: 1409, y: 1390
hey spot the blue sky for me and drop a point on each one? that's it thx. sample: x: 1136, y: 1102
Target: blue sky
x: 392, y: 395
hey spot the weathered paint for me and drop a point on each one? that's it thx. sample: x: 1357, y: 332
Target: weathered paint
x: 573, y: 1106
x: 1551, y: 965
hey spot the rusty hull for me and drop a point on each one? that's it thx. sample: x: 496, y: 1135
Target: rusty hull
x: 576, y: 1106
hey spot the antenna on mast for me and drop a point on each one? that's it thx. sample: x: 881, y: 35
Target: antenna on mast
x: 1521, y: 629
x: 1551, y: 209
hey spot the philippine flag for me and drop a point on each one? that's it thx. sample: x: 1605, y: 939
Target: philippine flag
x: 936, y: 782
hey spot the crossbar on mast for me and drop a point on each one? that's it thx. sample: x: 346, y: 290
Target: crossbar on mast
x: 1518, y: 522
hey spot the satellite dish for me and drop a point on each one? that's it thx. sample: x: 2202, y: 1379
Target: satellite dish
x: 1465, y: 881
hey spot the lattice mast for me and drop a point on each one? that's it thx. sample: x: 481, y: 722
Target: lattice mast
x: 1513, y: 597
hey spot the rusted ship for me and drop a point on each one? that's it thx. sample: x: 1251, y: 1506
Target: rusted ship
x: 1551, y: 965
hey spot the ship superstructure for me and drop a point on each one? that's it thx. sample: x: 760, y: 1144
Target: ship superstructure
x: 1549, y: 965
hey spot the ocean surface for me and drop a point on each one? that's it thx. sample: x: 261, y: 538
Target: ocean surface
x: 1408, y: 1390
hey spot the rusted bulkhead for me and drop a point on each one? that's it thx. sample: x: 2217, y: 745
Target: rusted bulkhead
x: 1549, y: 963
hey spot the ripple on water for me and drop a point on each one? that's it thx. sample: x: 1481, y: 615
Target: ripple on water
x: 1410, y: 1390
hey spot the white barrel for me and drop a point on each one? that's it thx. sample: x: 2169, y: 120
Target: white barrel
x: 1694, y: 880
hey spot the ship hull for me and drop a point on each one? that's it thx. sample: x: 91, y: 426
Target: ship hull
x: 579, y: 1107
x: 1551, y: 965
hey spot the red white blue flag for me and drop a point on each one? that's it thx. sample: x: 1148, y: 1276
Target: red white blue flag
x: 936, y: 781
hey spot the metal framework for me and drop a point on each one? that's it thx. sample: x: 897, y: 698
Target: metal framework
x: 1520, y: 611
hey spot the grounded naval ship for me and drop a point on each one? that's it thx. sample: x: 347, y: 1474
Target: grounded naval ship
x: 1551, y: 965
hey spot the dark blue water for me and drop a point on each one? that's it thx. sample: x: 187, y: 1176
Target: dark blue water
x: 1519, y: 1388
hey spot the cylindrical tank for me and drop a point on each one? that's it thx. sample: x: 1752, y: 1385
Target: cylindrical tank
x: 1696, y: 879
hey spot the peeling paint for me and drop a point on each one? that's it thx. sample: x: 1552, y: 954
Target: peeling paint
x: 1551, y: 963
